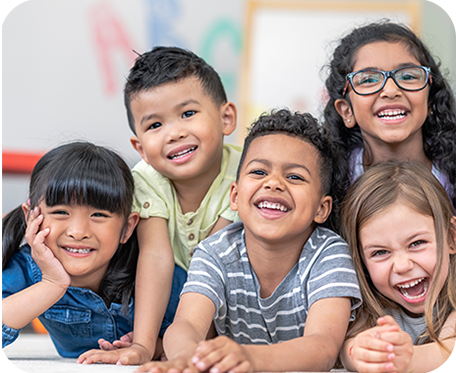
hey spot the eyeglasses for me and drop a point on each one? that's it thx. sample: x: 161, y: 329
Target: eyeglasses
x: 368, y: 81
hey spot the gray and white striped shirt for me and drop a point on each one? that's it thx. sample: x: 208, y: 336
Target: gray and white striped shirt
x: 220, y: 269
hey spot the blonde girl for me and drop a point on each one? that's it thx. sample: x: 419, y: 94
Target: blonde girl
x: 399, y: 224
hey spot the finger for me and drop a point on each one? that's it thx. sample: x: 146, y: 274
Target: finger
x: 363, y: 366
x: 370, y: 343
x: 227, y: 363
x: 120, y: 344
x: 396, y: 338
x: 372, y: 356
x: 127, y: 337
x: 386, y: 320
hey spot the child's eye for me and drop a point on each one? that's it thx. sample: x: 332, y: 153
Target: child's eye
x: 59, y: 212
x: 188, y: 113
x: 101, y: 214
x: 257, y: 172
x: 417, y: 243
x: 155, y: 125
x: 295, y: 177
x: 380, y: 253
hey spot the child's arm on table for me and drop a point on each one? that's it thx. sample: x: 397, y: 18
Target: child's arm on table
x: 316, y: 350
x: 21, y: 308
x: 152, y: 290
x: 191, y: 325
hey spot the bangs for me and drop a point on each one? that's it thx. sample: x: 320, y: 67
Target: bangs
x: 88, y: 182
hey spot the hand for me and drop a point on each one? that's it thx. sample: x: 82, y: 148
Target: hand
x: 124, y: 341
x: 51, y: 268
x: 402, y: 342
x: 178, y: 365
x: 221, y: 354
x: 135, y: 354
x: 370, y: 353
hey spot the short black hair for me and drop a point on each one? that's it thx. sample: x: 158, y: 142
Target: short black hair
x: 303, y: 126
x: 170, y: 64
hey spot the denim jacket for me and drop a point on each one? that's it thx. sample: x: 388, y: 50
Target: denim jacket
x: 76, y: 321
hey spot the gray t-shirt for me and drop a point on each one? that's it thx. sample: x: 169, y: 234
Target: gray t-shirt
x: 220, y: 269
x: 414, y: 326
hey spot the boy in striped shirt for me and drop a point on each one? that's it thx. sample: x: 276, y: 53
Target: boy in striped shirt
x: 278, y: 288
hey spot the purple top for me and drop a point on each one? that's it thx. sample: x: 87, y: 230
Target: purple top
x: 357, y: 169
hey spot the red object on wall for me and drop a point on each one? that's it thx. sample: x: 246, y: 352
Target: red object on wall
x: 19, y: 162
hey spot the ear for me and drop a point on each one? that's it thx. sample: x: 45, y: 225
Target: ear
x: 132, y: 222
x: 26, y: 209
x: 229, y: 118
x: 234, y: 196
x: 453, y: 235
x: 138, y: 147
x: 344, y: 109
x: 324, y: 210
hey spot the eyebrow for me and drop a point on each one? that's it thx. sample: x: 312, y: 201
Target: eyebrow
x: 287, y: 166
x: 405, y: 64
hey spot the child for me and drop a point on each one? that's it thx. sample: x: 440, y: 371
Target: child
x: 407, y: 277
x: 77, y: 272
x: 179, y: 114
x: 374, y: 118
x: 275, y: 276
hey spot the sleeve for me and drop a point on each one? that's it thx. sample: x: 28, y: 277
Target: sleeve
x: 333, y: 275
x: 15, y: 277
x: 149, y: 199
x: 206, y: 277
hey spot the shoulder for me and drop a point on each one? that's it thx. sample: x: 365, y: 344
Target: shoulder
x: 323, y: 239
x: 225, y: 245
x: 232, y: 156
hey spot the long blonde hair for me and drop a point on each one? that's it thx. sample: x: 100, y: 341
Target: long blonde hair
x: 372, y: 194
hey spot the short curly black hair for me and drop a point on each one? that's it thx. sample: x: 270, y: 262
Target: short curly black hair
x: 303, y: 126
x: 170, y: 64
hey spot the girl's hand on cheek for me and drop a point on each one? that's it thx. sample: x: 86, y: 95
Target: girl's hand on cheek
x: 51, y: 268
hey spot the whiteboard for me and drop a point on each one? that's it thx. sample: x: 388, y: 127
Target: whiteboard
x: 289, y: 43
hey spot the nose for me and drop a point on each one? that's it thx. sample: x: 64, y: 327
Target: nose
x: 274, y: 182
x: 390, y: 89
x: 402, y: 263
x: 176, y: 131
x: 78, y: 229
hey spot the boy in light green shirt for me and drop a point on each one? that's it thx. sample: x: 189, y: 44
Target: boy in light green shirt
x: 179, y: 114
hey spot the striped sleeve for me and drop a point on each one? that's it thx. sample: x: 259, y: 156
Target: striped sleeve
x: 332, y: 273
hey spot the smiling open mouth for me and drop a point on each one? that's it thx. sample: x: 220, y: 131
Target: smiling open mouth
x: 182, y: 153
x: 392, y: 114
x: 77, y: 251
x: 272, y: 206
x: 414, y: 290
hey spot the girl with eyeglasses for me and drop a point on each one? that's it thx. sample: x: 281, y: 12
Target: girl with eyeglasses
x: 389, y: 101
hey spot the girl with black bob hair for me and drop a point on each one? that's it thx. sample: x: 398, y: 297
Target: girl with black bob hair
x: 365, y: 107
x: 76, y: 272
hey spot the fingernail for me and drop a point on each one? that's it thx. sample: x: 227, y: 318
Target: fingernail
x: 389, y: 366
x: 391, y: 357
x: 119, y: 363
x: 214, y: 370
x: 195, y: 359
x: 390, y: 348
x: 201, y: 365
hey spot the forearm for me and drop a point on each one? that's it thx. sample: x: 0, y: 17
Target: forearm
x: 429, y: 357
x: 152, y: 291
x: 181, y: 340
x: 312, y: 353
x: 21, y: 308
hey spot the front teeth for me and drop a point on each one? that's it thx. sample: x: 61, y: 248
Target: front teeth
x: 404, y: 292
x: 274, y: 206
x: 411, y: 284
x: 79, y: 251
x: 182, y: 153
x: 392, y: 115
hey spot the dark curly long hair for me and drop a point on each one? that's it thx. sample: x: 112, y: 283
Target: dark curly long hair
x: 82, y: 173
x: 439, y: 128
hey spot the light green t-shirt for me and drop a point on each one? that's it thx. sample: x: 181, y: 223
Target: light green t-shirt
x: 155, y: 196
